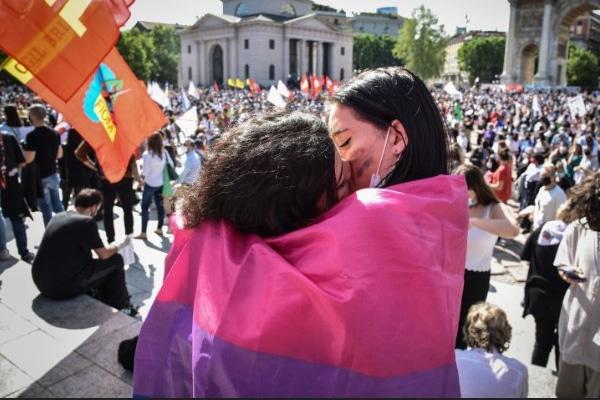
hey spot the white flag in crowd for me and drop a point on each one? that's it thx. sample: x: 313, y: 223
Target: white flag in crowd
x: 535, y: 106
x: 192, y: 91
x: 452, y: 90
x: 158, y: 95
x: 275, y: 98
x: 185, y: 101
x: 283, y: 90
x: 577, y: 105
x: 188, y: 122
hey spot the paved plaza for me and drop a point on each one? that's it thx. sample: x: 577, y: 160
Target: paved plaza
x: 69, y: 348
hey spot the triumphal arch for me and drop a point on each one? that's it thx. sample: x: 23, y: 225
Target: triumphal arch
x: 537, y: 39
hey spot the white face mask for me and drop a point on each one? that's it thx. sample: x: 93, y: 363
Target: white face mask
x: 376, y: 178
x: 472, y: 202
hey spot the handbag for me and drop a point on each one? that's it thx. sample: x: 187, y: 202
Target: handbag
x: 172, y: 174
x: 167, y: 189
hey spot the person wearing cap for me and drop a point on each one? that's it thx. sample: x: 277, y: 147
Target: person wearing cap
x: 192, y: 164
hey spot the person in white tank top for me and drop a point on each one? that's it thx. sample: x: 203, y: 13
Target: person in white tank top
x: 489, y: 219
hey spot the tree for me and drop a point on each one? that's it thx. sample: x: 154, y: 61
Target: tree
x: 153, y: 54
x: 167, y: 47
x: 137, y: 49
x: 422, y: 44
x: 582, y: 68
x: 482, y: 57
x: 372, y: 51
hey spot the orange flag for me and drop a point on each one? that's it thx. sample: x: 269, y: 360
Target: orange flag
x: 329, y: 85
x: 317, y: 85
x: 304, y: 85
x: 61, y: 42
x: 112, y: 111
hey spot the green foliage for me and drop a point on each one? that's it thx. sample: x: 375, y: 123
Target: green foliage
x: 422, y: 44
x: 137, y: 49
x: 582, y: 68
x: 482, y: 57
x: 153, y: 54
x: 166, y: 56
x: 372, y: 51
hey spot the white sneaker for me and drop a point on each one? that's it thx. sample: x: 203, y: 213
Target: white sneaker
x: 4, y: 255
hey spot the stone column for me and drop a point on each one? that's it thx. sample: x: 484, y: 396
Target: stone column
x: 233, y: 50
x: 227, y: 60
x: 285, y: 68
x: 301, y: 67
x: 544, y: 50
x: 202, y: 62
x: 508, y: 73
x: 319, y: 69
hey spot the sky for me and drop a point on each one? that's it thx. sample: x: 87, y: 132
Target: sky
x: 482, y: 14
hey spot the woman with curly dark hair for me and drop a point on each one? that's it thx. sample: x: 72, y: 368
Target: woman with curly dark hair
x: 268, y: 176
x: 578, y: 259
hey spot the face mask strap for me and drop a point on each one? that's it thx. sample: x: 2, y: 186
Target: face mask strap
x: 387, y: 136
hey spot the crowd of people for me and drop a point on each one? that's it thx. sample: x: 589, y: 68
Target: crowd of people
x: 529, y: 161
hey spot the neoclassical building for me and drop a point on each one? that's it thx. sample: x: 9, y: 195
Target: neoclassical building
x: 266, y: 40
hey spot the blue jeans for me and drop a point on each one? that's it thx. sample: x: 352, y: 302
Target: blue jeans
x: 18, y: 227
x: 51, y: 200
x: 147, y: 195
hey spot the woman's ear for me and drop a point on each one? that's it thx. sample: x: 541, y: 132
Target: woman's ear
x: 398, y: 138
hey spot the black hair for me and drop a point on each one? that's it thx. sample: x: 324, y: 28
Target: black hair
x: 12, y: 116
x: 380, y: 96
x: 87, y: 198
x: 268, y: 175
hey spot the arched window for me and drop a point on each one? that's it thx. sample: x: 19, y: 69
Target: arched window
x: 190, y: 73
x: 241, y: 10
x: 272, y: 72
x: 288, y: 9
x: 342, y: 74
x: 246, y: 71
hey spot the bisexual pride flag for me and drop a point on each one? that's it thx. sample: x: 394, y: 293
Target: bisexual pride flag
x: 362, y: 303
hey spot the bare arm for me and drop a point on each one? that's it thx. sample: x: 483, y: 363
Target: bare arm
x: 59, y: 153
x: 106, y: 252
x: 497, y: 186
x: 29, y: 156
x: 82, y: 153
x: 501, y: 222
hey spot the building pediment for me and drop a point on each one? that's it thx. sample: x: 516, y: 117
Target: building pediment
x: 309, y: 22
x: 212, y: 21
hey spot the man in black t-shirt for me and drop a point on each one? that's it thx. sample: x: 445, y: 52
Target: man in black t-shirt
x: 42, y: 146
x: 64, y: 267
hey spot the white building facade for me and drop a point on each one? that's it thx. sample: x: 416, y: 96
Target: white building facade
x: 264, y: 40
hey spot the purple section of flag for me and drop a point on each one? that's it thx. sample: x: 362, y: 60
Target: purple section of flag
x: 167, y: 365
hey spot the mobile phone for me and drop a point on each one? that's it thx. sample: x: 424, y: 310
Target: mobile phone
x: 574, y: 276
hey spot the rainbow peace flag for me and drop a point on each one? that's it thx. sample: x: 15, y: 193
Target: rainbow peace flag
x: 364, y: 302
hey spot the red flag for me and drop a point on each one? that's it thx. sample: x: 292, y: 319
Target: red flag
x: 329, y: 85
x: 304, y: 85
x: 61, y: 42
x: 255, y: 86
x: 317, y: 86
x: 112, y: 111
x: 336, y: 85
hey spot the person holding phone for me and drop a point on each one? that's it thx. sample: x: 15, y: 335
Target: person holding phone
x: 578, y: 258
